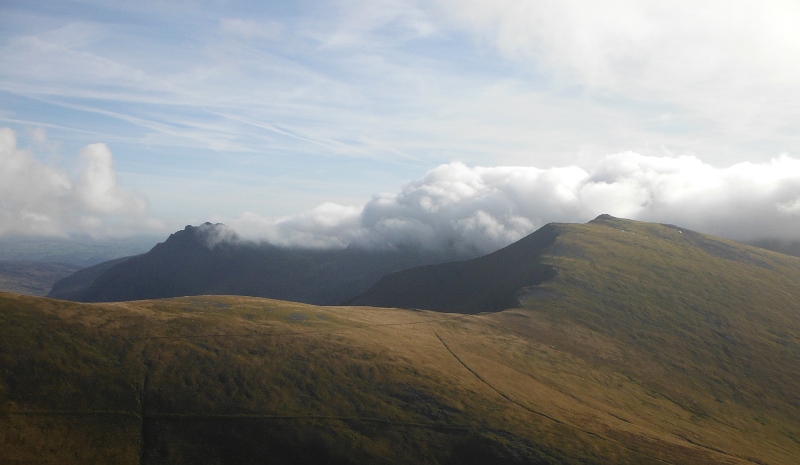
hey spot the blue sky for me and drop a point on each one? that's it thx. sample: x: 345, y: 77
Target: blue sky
x: 266, y: 115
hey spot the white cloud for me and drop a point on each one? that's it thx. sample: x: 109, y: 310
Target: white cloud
x: 396, y: 79
x: 623, y: 41
x: 40, y: 199
x: 728, y: 62
x: 479, y: 209
x: 327, y: 226
x: 398, y: 86
x: 97, y: 186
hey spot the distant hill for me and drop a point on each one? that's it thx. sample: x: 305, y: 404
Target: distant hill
x: 780, y: 246
x: 509, y: 276
x: 638, y: 343
x: 208, y: 259
x: 67, y: 287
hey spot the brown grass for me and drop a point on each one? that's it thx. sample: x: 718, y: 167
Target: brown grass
x: 608, y: 365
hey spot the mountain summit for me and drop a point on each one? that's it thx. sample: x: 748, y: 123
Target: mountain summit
x: 515, y: 274
x: 212, y: 259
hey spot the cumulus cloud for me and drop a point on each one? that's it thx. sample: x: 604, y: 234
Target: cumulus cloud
x: 40, y: 199
x: 327, y: 226
x: 480, y: 209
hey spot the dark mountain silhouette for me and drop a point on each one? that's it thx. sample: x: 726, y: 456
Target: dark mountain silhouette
x: 210, y: 259
x: 77, y: 282
x: 778, y: 245
x: 488, y: 283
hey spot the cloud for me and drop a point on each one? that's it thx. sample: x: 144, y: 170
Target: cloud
x: 97, y: 186
x: 356, y: 87
x: 620, y: 41
x: 327, y: 226
x: 215, y: 234
x: 480, y: 209
x: 40, y: 199
x: 728, y: 62
x: 251, y: 29
x: 361, y: 22
x: 398, y: 80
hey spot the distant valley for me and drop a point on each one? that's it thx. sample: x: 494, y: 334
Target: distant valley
x: 31, y: 265
x: 33, y: 278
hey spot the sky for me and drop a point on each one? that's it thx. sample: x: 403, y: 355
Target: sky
x: 462, y: 123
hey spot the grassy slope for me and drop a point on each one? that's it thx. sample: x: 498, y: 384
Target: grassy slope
x: 645, y: 348
x: 709, y: 326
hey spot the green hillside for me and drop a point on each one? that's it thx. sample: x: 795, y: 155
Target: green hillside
x: 649, y: 344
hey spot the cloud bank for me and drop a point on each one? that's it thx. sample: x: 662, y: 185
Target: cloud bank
x: 479, y: 209
x: 710, y: 56
x: 40, y: 199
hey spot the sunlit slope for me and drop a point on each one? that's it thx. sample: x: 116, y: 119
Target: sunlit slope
x: 709, y: 325
x: 246, y: 380
x: 649, y: 344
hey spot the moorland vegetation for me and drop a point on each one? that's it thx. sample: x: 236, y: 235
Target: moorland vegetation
x: 646, y: 343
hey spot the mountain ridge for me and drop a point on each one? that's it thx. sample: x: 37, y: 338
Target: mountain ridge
x: 651, y: 344
x: 425, y: 287
x: 184, y: 264
x: 211, y: 259
x: 487, y: 283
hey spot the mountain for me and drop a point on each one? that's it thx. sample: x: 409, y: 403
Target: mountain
x: 77, y: 282
x: 489, y: 283
x: 509, y: 276
x: 644, y: 344
x: 210, y: 259
x: 777, y: 245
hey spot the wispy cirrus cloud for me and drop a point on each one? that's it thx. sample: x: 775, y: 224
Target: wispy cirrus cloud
x: 401, y: 80
x: 332, y: 93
